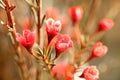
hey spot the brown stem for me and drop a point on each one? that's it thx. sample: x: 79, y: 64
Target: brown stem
x: 38, y: 19
x: 92, y: 16
x: 44, y: 59
x: 9, y: 14
x: 49, y: 46
x: 35, y: 56
x: 114, y: 10
x: 77, y: 58
x: 8, y: 9
x: 88, y: 60
x: 22, y: 64
x: 38, y: 72
x: 96, y: 36
x: 79, y: 36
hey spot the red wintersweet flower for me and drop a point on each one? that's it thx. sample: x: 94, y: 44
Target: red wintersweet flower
x: 62, y: 43
x: 76, y: 13
x: 99, y: 50
x: 27, y: 40
x: 90, y: 73
x: 52, y: 27
x: 105, y: 24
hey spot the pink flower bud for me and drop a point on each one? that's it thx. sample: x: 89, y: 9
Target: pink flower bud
x: 52, y: 27
x: 105, y: 24
x: 90, y: 73
x: 62, y: 43
x: 27, y: 40
x: 99, y: 50
x: 76, y: 13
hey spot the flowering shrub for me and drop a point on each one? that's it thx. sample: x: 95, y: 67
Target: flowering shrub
x: 47, y: 34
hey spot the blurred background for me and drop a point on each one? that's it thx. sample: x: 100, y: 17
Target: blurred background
x: 94, y: 10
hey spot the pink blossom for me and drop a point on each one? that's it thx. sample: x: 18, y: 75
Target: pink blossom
x: 91, y: 73
x: 60, y: 69
x: 27, y: 40
x: 99, y: 50
x: 69, y: 78
x: 52, y: 27
x: 62, y: 43
x: 76, y: 13
x: 105, y: 24
x: 63, y: 70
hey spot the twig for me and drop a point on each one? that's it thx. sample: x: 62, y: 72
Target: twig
x: 39, y: 3
x: 96, y: 36
x: 22, y: 64
x: 43, y: 20
x: 47, y: 54
x: 88, y: 60
x: 31, y: 4
x: 8, y: 9
x: 114, y: 10
x: 91, y: 17
x: 38, y: 72
x: 2, y: 4
x: 78, y: 35
x: 12, y: 30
